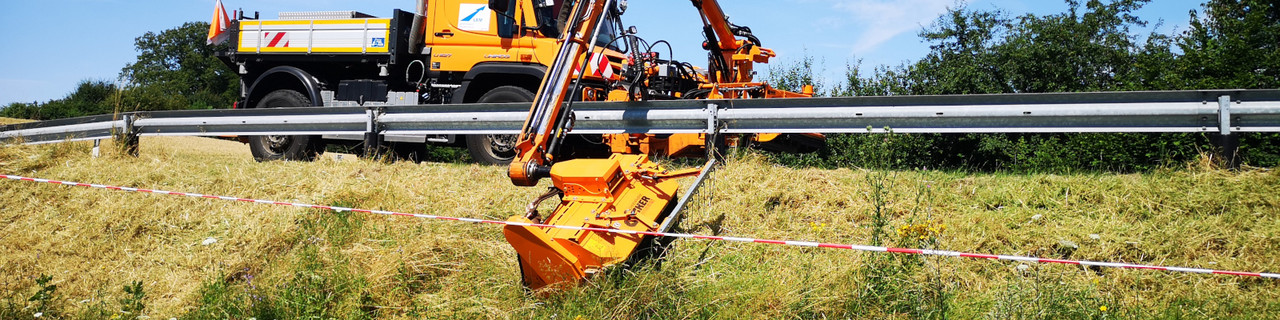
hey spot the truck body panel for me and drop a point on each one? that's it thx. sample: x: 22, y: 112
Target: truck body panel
x: 315, y: 36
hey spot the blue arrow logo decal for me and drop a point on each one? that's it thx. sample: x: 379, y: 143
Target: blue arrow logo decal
x: 473, y: 14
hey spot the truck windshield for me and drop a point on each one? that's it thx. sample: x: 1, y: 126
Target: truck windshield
x: 608, y: 33
x: 548, y: 14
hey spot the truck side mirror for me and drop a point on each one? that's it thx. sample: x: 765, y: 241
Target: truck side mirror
x: 499, y: 5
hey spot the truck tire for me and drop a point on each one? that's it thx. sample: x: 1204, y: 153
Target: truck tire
x: 497, y: 149
x: 288, y: 148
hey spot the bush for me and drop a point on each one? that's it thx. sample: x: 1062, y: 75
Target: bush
x: 1024, y: 152
x: 91, y: 97
x: 20, y: 110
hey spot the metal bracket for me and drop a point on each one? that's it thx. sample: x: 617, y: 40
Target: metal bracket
x: 1224, y: 115
x: 1229, y: 143
x: 712, y: 137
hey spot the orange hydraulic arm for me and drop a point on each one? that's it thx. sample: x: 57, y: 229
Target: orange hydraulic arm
x: 546, y: 124
x: 732, y: 59
x: 733, y: 51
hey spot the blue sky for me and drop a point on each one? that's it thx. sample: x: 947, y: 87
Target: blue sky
x: 55, y: 44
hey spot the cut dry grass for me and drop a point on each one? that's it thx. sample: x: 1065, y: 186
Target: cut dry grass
x: 277, y: 262
x: 4, y: 121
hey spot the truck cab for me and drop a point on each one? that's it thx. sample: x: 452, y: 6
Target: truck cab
x: 510, y: 48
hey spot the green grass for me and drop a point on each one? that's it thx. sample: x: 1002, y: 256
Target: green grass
x: 111, y: 252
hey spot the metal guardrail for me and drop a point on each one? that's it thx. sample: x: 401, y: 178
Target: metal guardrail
x: 1215, y: 111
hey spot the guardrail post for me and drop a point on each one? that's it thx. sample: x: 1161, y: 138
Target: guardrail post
x: 128, y: 139
x: 372, y: 134
x: 714, y: 142
x: 1228, y: 143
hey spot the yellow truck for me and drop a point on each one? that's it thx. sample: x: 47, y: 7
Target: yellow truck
x: 448, y: 51
x: 465, y: 51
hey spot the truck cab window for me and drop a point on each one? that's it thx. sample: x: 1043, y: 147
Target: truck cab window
x: 609, y: 32
x: 547, y: 13
x: 507, y: 25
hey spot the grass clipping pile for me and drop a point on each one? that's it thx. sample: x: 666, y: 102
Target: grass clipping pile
x: 91, y: 253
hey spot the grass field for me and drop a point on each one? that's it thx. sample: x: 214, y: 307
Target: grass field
x: 105, y: 254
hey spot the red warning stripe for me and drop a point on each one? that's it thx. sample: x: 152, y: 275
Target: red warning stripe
x: 276, y: 40
x: 905, y: 250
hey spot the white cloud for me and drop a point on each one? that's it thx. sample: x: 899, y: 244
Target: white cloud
x: 882, y: 20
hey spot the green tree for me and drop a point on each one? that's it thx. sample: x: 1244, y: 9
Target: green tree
x: 1074, y: 51
x: 794, y: 76
x: 1235, y: 45
x: 1092, y: 46
x: 176, y: 69
x: 1088, y: 48
x: 884, y: 81
x: 965, y: 57
x: 1154, y: 67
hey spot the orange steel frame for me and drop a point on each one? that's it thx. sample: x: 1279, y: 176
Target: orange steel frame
x: 626, y: 191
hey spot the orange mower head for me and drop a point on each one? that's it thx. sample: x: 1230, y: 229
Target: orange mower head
x: 626, y: 192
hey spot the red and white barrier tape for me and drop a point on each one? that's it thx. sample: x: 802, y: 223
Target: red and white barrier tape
x: 678, y: 235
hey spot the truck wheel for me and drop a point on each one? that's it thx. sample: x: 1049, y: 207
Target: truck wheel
x: 288, y: 148
x: 497, y: 149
